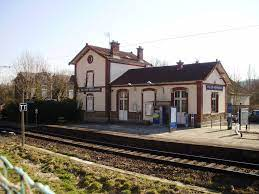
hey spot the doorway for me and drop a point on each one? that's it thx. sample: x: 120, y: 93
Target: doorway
x: 181, y: 104
x: 123, y: 105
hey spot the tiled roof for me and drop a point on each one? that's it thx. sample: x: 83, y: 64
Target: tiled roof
x: 121, y: 56
x: 165, y: 74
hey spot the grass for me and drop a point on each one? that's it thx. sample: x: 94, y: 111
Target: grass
x: 66, y: 176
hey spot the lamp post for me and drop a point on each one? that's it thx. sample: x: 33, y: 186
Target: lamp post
x: 36, y: 117
x: 22, y: 122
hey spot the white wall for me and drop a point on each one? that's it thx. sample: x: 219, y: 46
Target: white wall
x: 98, y: 66
x: 163, y: 94
x: 118, y: 69
x: 214, y: 78
x: 237, y: 99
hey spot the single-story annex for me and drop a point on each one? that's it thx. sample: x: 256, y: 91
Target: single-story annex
x: 113, y: 85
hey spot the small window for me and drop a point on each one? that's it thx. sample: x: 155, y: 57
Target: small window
x: 90, y: 79
x: 44, y: 91
x: 90, y: 103
x: 214, y: 101
x: 71, y: 94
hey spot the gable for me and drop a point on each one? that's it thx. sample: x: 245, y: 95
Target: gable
x: 97, y: 66
x: 214, y: 78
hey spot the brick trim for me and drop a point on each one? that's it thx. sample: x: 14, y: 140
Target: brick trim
x: 107, y: 90
x: 199, y: 102
x: 158, y: 84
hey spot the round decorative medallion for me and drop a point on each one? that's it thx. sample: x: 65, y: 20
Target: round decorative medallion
x: 90, y: 59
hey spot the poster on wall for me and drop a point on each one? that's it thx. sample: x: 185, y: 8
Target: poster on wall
x: 148, y: 109
x: 173, y: 124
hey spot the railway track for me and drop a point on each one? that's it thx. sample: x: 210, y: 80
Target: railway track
x: 176, y: 159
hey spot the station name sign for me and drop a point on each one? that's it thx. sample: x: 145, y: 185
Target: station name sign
x: 214, y: 87
x: 84, y: 89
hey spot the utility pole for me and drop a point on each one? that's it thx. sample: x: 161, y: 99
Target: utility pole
x: 22, y: 122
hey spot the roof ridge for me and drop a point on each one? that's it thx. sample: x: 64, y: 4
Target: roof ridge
x: 190, y: 72
x: 152, y: 67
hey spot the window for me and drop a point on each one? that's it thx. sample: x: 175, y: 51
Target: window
x: 71, y: 94
x: 89, y: 103
x: 214, y: 102
x: 181, y: 100
x: 89, y: 79
x: 44, y: 91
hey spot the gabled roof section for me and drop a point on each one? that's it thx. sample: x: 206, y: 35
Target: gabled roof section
x: 121, y: 56
x: 166, y: 74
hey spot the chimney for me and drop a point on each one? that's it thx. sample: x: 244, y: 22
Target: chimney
x: 140, y: 53
x: 115, y: 47
x: 179, y: 65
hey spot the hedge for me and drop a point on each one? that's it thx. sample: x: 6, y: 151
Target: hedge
x: 48, y: 111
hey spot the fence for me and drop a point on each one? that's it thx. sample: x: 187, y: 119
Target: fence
x: 25, y: 185
x: 219, y: 121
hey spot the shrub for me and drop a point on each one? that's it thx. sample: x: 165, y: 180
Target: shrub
x: 151, y: 192
x: 48, y: 111
x: 95, y: 186
x: 11, y: 111
x: 126, y: 192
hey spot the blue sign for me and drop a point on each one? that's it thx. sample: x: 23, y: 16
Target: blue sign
x: 230, y: 108
x: 214, y: 87
x: 173, y: 123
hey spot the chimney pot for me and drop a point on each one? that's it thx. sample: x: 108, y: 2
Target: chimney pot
x: 179, y: 65
x: 140, y: 53
x: 115, y: 47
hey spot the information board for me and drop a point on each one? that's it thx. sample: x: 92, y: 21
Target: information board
x: 173, y: 124
x: 23, y: 107
x: 214, y: 87
x: 244, y: 116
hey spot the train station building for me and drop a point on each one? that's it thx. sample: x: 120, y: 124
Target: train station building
x: 113, y: 85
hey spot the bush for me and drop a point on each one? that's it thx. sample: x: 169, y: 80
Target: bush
x: 152, y: 191
x: 48, y: 111
x: 11, y: 111
x: 95, y: 186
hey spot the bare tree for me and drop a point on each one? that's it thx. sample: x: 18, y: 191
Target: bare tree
x: 27, y: 68
x: 235, y: 87
x: 157, y: 62
x: 6, y: 93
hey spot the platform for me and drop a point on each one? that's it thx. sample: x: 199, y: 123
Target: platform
x: 202, y: 136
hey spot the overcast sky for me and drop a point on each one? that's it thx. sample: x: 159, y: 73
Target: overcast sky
x: 58, y: 30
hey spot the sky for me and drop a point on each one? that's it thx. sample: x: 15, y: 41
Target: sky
x: 58, y: 29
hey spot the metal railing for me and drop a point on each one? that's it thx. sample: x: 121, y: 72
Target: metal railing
x: 25, y: 185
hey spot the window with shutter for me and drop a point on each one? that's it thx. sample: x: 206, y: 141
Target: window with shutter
x: 214, y: 102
